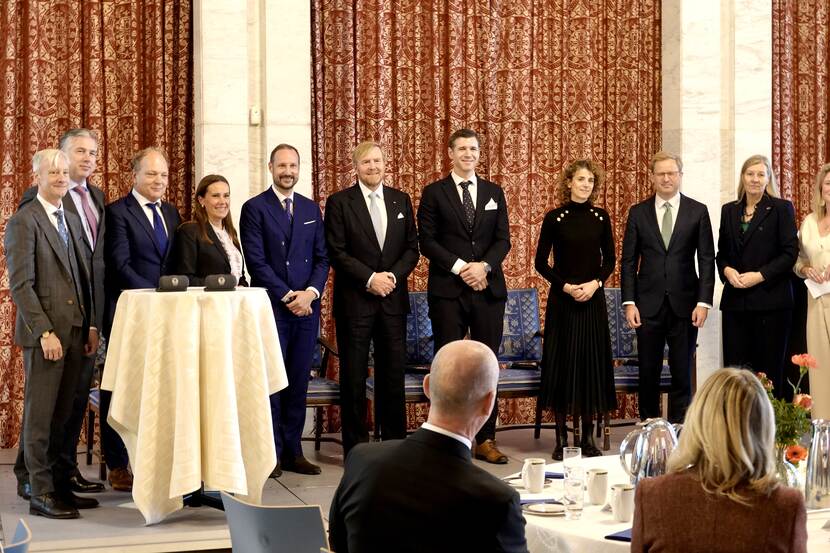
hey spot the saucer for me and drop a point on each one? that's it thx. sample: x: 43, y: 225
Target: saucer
x: 545, y: 509
x: 518, y: 483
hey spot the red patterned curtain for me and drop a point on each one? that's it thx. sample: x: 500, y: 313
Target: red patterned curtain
x: 800, y: 96
x: 121, y: 68
x: 543, y: 82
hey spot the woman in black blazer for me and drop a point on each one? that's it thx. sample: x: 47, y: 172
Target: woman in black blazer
x: 757, y: 249
x: 208, y: 245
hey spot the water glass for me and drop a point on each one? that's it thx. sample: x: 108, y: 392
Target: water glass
x: 571, y: 457
x: 574, y: 492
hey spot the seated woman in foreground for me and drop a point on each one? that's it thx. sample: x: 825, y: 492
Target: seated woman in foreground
x: 721, y: 493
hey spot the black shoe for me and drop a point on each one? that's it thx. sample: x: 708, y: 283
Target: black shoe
x: 77, y: 501
x: 300, y: 465
x: 277, y: 472
x: 24, y: 490
x: 79, y: 484
x: 558, y: 452
x: 49, y: 505
x: 590, y: 450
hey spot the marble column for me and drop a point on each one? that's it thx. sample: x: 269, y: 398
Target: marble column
x: 717, y: 109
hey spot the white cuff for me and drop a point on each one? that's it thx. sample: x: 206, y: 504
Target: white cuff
x: 457, y: 266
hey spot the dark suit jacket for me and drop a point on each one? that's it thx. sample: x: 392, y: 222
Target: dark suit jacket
x: 650, y: 271
x: 133, y: 258
x: 49, y: 284
x: 770, y: 245
x: 280, y: 259
x: 94, y: 256
x: 422, y: 494
x: 355, y: 253
x: 197, y: 258
x: 444, y: 235
x: 673, y: 513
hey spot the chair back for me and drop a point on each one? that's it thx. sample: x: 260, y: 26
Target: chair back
x: 420, y: 342
x: 274, y: 529
x: 521, y: 338
x: 21, y: 540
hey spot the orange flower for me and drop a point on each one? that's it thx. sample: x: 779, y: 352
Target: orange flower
x: 796, y: 453
x: 804, y: 401
x: 805, y: 360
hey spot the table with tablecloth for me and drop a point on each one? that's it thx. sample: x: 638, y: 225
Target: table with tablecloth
x: 587, y: 535
x: 190, y: 374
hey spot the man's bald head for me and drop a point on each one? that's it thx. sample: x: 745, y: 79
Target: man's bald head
x: 462, y: 374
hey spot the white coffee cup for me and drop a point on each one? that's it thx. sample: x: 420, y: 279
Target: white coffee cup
x: 533, y: 474
x: 622, y: 502
x: 597, y: 482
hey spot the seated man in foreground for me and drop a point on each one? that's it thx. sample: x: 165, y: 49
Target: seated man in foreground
x: 424, y: 493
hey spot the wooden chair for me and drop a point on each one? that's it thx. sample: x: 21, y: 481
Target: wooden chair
x: 323, y: 390
x: 94, y: 410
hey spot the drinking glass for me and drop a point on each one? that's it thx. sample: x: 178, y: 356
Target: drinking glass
x: 571, y: 457
x: 574, y: 492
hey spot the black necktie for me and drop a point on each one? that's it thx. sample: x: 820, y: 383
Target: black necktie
x: 158, y: 228
x: 467, y: 202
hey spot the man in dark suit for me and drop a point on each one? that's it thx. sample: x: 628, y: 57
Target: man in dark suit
x: 56, y: 327
x: 284, y: 243
x: 465, y: 235
x: 140, y: 231
x: 424, y: 493
x: 87, y: 202
x: 664, y: 298
x: 373, y: 245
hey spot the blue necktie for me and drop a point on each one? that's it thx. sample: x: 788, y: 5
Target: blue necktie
x: 62, y: 232
x: 158, y: 227
x: 288, y: 210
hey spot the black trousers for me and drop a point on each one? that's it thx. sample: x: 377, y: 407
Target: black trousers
x: 388, y: 334
x: 483, y: 317
x: 757, y: 340
x: 665, y: 327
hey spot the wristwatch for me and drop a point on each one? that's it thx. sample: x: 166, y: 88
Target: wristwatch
x: 45, y: 334
x: 487, y: 267
x: 599, y: 282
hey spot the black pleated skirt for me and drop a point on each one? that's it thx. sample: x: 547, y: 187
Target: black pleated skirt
x: 577, y: 370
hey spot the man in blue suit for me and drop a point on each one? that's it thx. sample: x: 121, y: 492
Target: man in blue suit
x: 140, y: 230
x: 285, y: 250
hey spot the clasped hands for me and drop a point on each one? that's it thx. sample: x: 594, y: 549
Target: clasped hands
x: 474, y: 275
x: 300, y: 303
x: 581, y: 292
x: 743, y: 280
x: 382, y: 284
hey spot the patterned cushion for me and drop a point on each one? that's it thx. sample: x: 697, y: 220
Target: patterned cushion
x: 323, y: 391
x: 413, y: 388
x: 521, y: 338
x: 627, y: 377
x: 419, y: 340
x: 514, y: 380
x: 623, y: 338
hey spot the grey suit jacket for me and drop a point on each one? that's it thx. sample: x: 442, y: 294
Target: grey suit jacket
x: 94, y: 255
x: 49, y: 283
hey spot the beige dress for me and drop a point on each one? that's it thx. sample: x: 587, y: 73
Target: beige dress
x: 814, y: 250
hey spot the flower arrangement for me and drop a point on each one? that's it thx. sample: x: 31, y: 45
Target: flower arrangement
x: 791, y: 418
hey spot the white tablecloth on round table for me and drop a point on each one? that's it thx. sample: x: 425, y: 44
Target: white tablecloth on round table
x: 587, y: 535
x: 191, y: 373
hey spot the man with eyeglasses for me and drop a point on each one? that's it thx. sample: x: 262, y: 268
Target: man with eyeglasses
x: 664, y: 297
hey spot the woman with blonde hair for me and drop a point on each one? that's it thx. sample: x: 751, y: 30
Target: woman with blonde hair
x: 757, y: 248
x: 814, y: 264
x: 721, y: 493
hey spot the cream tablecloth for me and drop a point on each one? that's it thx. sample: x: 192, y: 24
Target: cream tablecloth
x: 191, y: 373
x: 557, y: 535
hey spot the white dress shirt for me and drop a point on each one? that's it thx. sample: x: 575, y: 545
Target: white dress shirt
x: 473, y: 188
x: 234, y: 255
x: 50, y: 211
x: 463, y: 439
x: 282, y: 197
x: 78, y: 201
x: 142, y: 201
x: 366, y: 192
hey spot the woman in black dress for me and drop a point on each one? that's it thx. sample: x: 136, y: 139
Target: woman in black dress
x: 577, y: 375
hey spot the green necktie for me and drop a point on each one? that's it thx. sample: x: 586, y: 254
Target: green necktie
x: 667, y: 227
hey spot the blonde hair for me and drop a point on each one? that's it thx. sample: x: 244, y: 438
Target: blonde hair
x: 819, y: 205
x: 49, y: 156
x: 772, y: 183
x: 568, y: 174
x: 665, y: 156
x: 363, y: 148
x: 135, y: 163
x: 728, y: 437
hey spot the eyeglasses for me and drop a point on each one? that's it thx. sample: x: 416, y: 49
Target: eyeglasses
x: 670, y: 174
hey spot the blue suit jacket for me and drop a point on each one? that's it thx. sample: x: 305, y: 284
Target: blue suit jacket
x: 282, y: 259
x: 132, y: 256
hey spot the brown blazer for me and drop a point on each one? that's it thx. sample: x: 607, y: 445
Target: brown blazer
x: 673, y: 513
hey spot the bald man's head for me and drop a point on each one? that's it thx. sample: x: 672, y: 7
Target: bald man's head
x: 462, y: 374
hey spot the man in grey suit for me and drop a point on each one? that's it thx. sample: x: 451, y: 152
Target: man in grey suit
x: 87, y: 202
x: 56, y: 327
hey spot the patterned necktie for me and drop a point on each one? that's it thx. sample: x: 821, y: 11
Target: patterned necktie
x: 158, y: 227
x: 377, y: 222
x: 288, y: 210
x: 667, y: 226
x: 467, y: 202
x: 62, y: 232
x: 89, y: 214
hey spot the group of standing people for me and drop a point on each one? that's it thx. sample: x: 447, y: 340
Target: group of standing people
x: 667, y: 274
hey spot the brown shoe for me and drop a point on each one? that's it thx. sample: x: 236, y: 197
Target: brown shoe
x: 488, y: 451
x: 121, y: 479
x: 300, y: 465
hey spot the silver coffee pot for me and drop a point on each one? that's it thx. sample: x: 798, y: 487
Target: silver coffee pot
x: 817, y: 487
x: 649, y: 448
